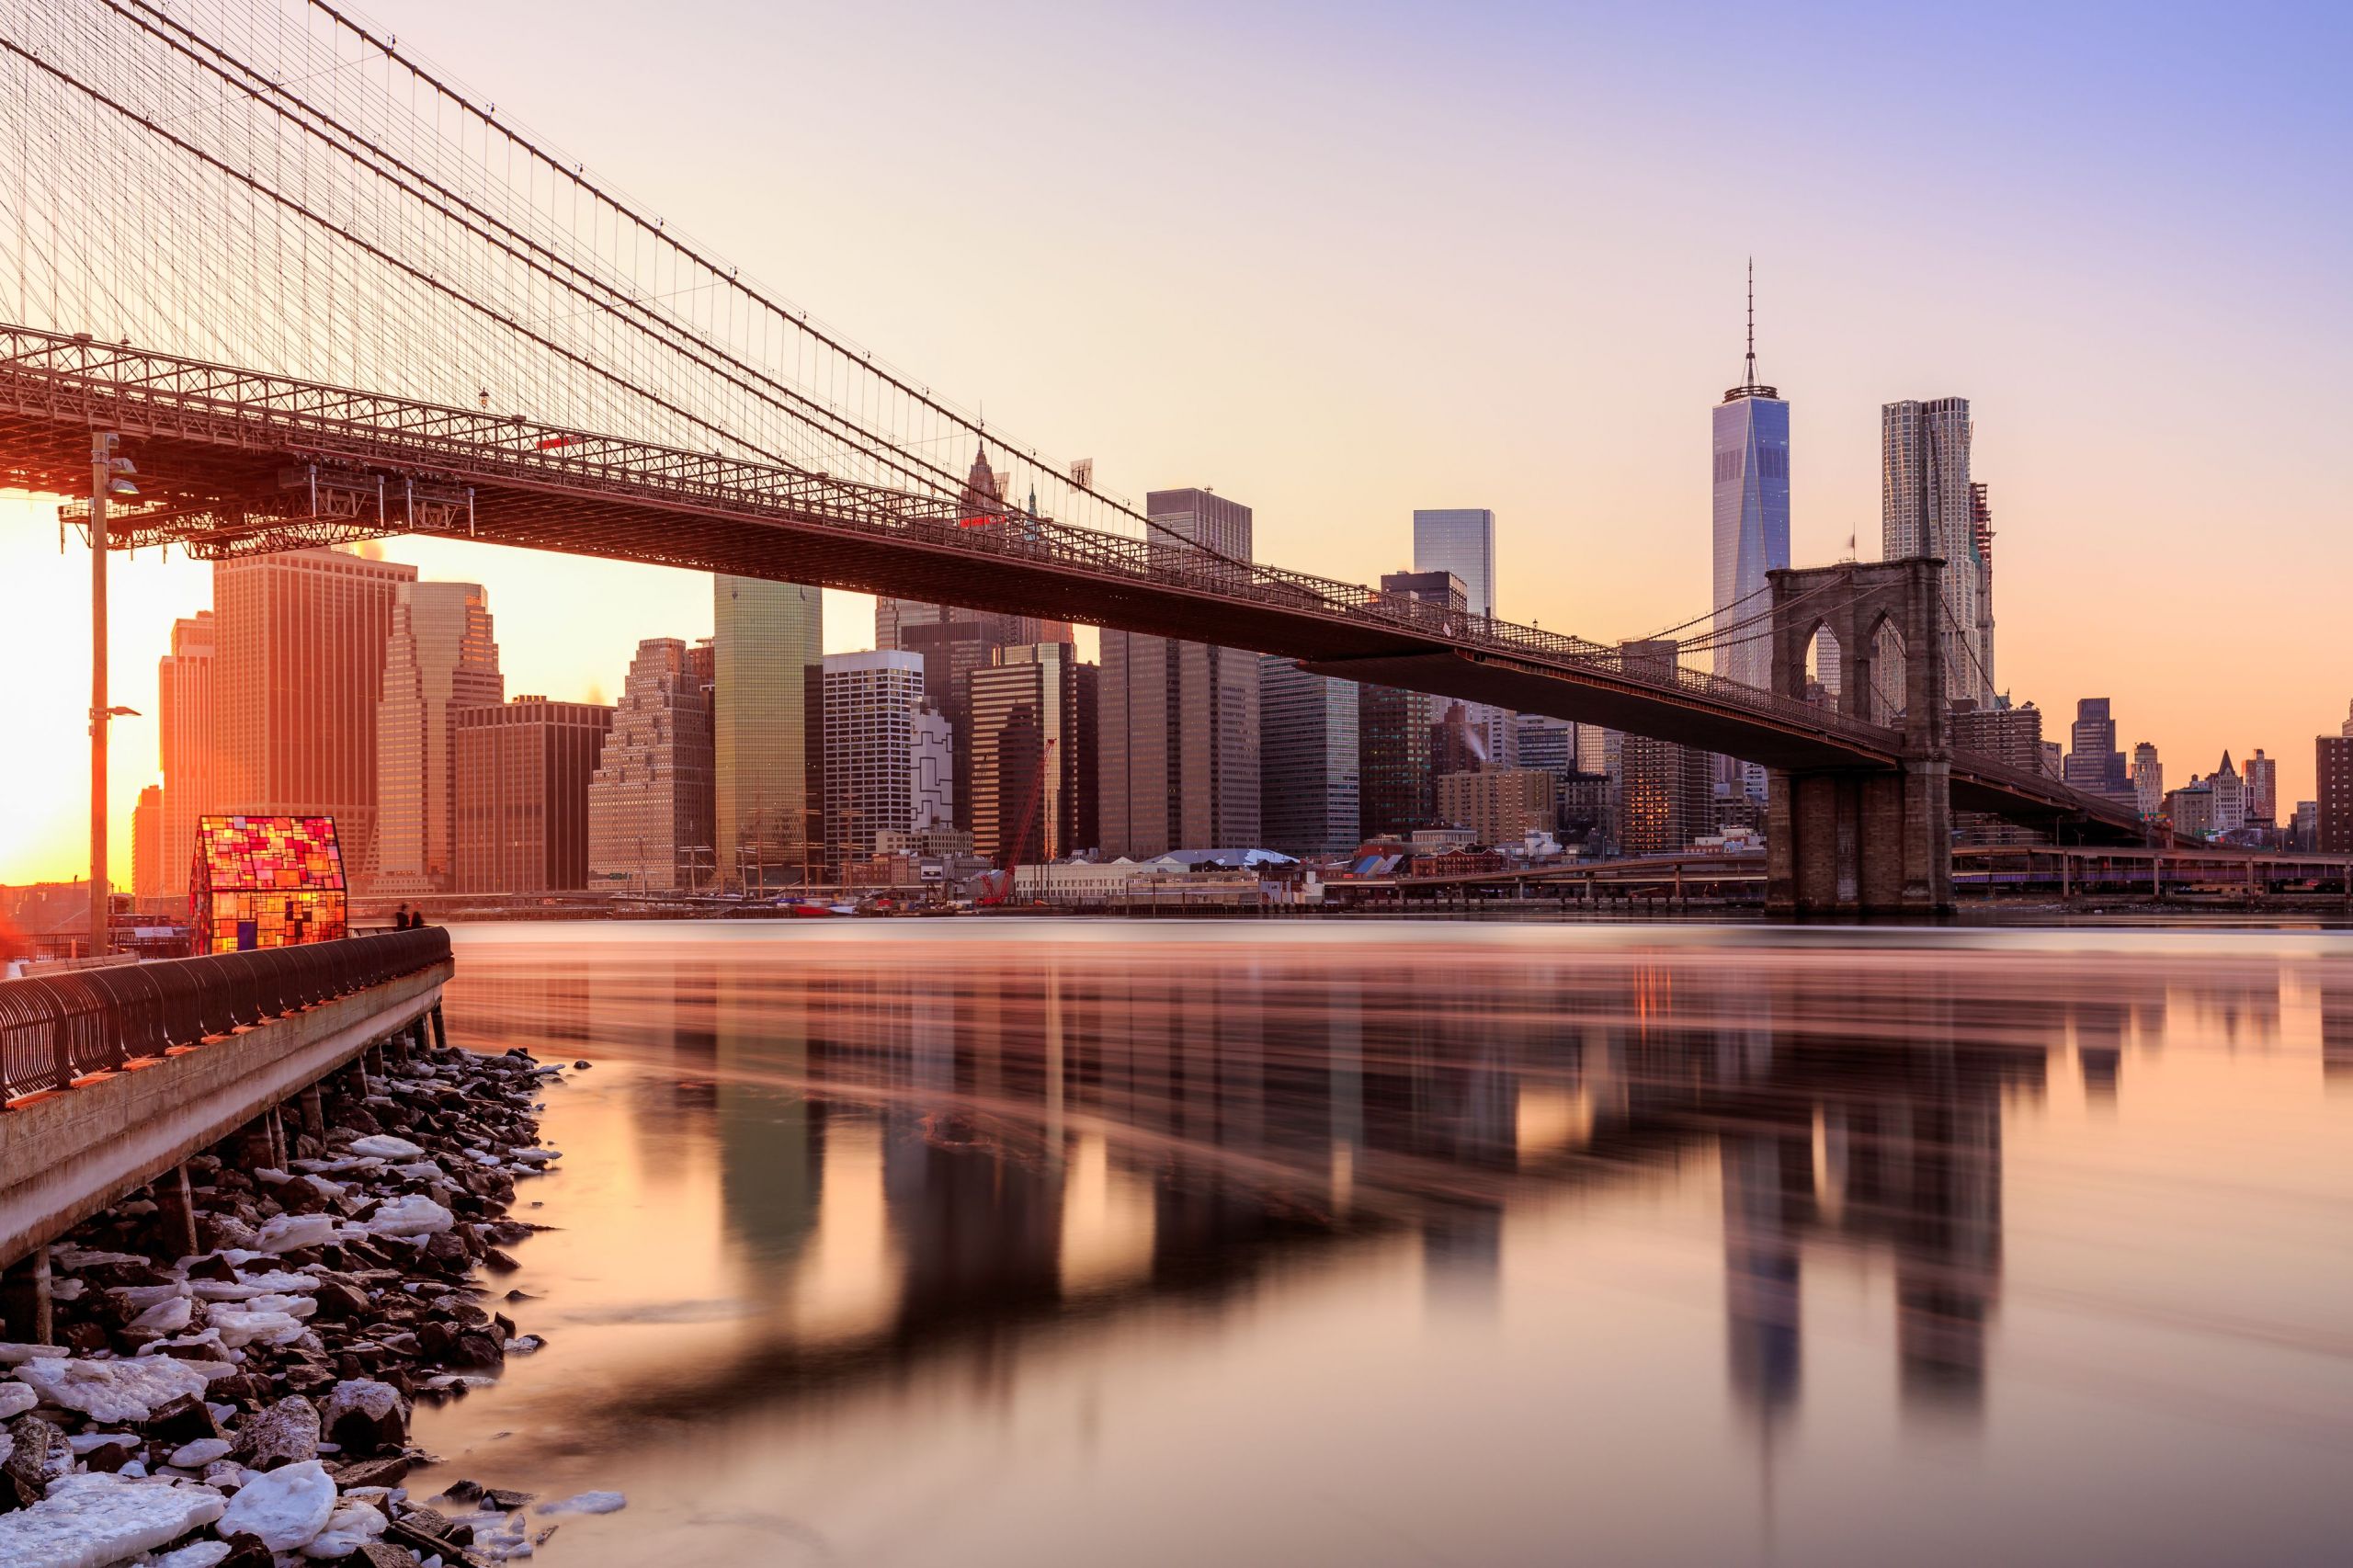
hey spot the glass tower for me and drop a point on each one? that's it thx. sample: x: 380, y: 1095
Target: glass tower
x: 1752, y: 517
x: 1461, y: 540
x: 767, y: 637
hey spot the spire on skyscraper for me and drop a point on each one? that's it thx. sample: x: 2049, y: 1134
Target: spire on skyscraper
x: 1750, y: 387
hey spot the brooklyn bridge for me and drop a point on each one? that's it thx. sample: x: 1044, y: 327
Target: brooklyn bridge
x: 310, y: 293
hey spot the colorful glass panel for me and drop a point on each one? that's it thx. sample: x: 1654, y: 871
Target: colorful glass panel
x: 267, y: 882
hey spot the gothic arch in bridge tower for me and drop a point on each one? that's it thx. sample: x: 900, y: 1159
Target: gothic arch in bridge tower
x: 1864, y: 840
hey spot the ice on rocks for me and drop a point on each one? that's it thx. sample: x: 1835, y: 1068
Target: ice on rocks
x: 289, y: 1232
x: 242, y: 1326
x: 383, y: 1146
x: 90, y: 1521
x: 587, y: 1503
x: 285, y: 1508
x: 203, y: 1451
x: 350, y: 1527
x: 412, y: 1214
x: 538, y: 1157
x: 168, y: 1316
x: 83, y: 1442
x: 15, y: 1399
x: 200, y: 1555
x: 17, y: 1354
x: 114, y: 1391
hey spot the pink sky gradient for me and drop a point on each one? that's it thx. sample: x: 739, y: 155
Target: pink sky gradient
x: 1339, y: 263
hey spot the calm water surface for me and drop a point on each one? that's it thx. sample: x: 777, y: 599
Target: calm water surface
x: 1028, y: 1242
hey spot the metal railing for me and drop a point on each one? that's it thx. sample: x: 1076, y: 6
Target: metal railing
x: 56, y: 1028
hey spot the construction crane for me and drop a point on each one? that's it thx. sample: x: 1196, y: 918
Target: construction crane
x: 999, y: 885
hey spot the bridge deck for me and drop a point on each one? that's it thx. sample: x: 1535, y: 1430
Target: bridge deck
x: 213, y: 445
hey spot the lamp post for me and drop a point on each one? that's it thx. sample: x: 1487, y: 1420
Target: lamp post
x: 106, y: 471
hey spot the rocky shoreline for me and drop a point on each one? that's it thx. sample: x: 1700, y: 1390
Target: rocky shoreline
x: 249, y: 1404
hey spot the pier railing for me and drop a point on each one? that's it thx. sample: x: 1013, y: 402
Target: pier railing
x: 56, y: 1028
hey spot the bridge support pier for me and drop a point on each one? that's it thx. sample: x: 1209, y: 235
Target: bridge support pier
x: 25, y: 1300
x: 1864, y: 841
x: 178, y: 1207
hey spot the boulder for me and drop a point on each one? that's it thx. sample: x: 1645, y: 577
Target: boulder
x: 34, y: 1446
x: 362, y: 1416
x: 285, y: 1434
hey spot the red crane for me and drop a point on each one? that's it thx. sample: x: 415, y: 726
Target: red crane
x: 1000, y: 883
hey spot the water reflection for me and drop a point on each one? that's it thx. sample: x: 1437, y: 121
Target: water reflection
x: 835, y: 1167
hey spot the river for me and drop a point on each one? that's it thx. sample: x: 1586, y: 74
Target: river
x: 1040, y: 1241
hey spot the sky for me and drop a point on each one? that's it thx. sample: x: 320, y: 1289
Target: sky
x: 1339, y: 262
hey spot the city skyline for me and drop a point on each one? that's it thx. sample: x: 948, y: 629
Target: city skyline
x: 2050, y: 340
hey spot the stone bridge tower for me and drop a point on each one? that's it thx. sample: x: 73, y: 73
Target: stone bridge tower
x: 1857, y: 840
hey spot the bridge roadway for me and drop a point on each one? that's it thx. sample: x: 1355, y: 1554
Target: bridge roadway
x: 232, y: 461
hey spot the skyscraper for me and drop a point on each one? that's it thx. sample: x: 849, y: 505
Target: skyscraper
x: 2094, y: 764
x: 982, y: 504
x: 1665, y: 794
x: 871, y: 705
x: 298, y: 668
x: 767, y: 639
x: 150, y: 871
x: 1307, y: 759
x: 1752, y: 516
x: 441, y: 657
x: 652, y: 800
x: 522, y: 796
x: 184, y: 737
x: 1924, y: 509
x: 1180, y: 720
x: 2229, y: 797
x: 2262, y: 790
x: 1461, y: 540
x: 1028, y: 754
x: 1980, y: 527
x: 935, y: 770
x: 1394, y: 777
x: 2333, y: 762
x: 2148, y: 779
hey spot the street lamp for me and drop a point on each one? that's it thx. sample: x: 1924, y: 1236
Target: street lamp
x: 109, y: 477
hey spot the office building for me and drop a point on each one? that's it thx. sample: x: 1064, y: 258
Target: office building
x: 1546, y: 743
x: 654, y: 798
x: 1180, y: 720
x: 872, y: 706
x: 1665, y: 791
x: 1461, y: 540
x: 1307, y: 761
x: 2305, y: 836
x: 150, y: 871
x: 523, y: 775
x: 298, y: 669
x: 1500, y: 805
x: 2148, y: 780
x: 1924, y: 509
x: 183, y: 741
x: 766, y: 644
x: 2262, y: 790
x: 951, y: 648
x: 2093, y: 763
x: 2012, y: 735
x: 2334, y: 763
x: 2229, y: 797
x: 1980, y: 527
x: 441, y: 657
x: 1395, y: 782
x: 1031, y: 772
x: 935, y: 770
x: 2190, y: 809
x: 1752, y: 517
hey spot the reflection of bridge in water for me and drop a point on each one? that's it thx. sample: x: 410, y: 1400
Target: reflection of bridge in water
x: 1317, y: 1100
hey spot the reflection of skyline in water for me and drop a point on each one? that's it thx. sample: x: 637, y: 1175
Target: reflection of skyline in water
x: 942, y: 1151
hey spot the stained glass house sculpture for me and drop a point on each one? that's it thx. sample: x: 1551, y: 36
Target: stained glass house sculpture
x: 267, y: 882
